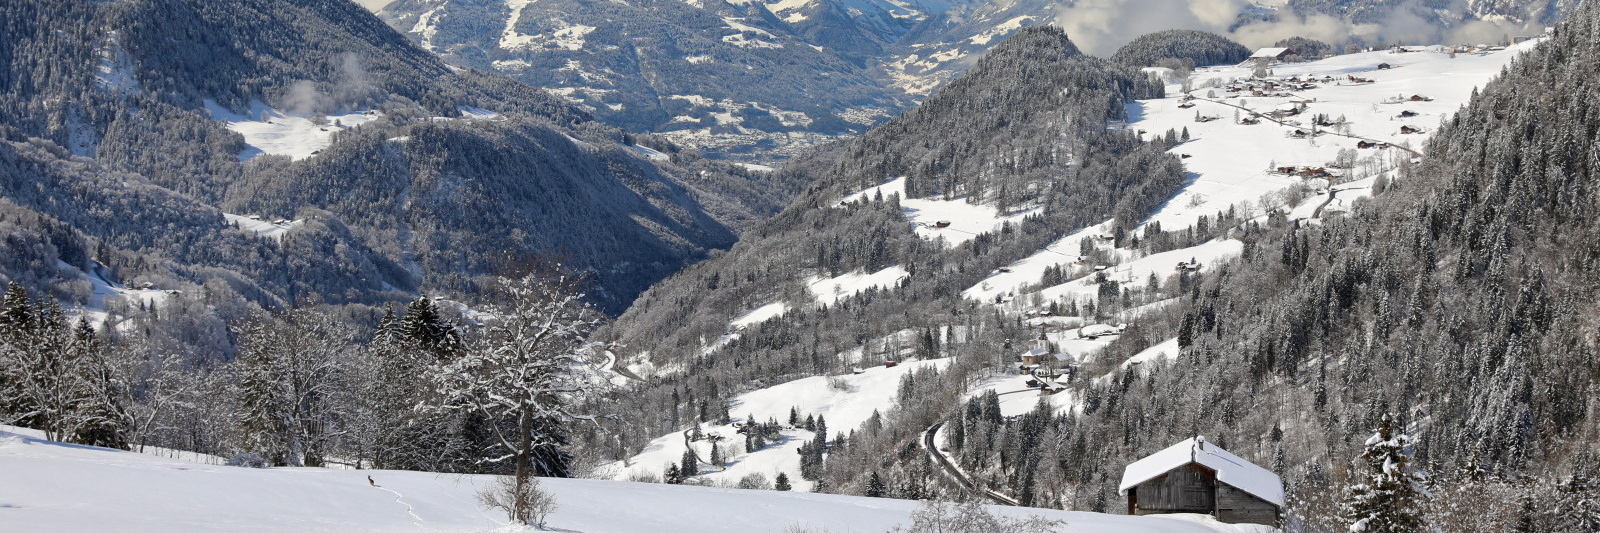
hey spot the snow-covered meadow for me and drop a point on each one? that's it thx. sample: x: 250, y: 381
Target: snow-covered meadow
x: 50, y: 486
x: 845, y: 402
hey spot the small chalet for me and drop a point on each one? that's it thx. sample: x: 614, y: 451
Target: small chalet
x: 1034, y: 356
x: 1195, y: 476
x: 1267, y: 55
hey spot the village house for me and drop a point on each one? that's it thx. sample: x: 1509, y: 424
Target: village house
x: 1265, y: 57
x: 1195, y: 476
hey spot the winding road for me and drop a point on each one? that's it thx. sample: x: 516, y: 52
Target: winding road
x: 955, y: 473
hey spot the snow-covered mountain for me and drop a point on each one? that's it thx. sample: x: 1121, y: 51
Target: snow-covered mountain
x: 760, y: 81
x: 401, y: 165
x: 1269, y: 159
x: 714, y: 74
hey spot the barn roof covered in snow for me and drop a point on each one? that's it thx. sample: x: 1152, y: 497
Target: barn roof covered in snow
x: 1269, y: 53
x: 1239, y: 473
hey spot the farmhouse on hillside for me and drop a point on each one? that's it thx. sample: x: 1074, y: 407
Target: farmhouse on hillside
x: 1266, y: 56
x: 1195, y: 476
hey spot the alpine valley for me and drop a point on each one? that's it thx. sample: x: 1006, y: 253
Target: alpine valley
x: 813, y: 265
x: 759, y: 81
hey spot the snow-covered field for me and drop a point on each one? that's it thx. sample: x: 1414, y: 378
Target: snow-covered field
x: 271, y: 229
x: 829, y: 291
x: 1231, y: 162
x: 845, y: 402
x: 49, y: 486
x: 270, y: 131
x: 965, y: 221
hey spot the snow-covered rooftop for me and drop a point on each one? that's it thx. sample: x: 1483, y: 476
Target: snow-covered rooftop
x: 1268, y: 53
x: 1239, y: 473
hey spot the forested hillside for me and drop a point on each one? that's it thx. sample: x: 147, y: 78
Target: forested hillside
x: 427, y: 177
x: 1187, y: 48
x: 1452, y: 303
x: 1458, y: 301
x: 1455, y: 302
x: 1021, y: 135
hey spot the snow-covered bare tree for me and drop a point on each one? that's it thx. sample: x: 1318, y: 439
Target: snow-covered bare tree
x: 287, y: 381
x: 522, y: 371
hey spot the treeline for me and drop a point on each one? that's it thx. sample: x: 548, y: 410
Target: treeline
x: 308, y: 387
x: 1181, y: 49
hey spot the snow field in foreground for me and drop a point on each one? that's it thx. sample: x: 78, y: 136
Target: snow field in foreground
x: 51, y: 486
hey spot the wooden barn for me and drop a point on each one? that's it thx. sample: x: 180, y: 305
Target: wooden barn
x: 1195, y: 476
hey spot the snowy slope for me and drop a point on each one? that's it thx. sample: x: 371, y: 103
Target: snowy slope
x: 262, y: 228
x: 270, y: 131
x: 59, y: 487
x: 829, y: 291
x: 1233, y: 165
x: 844, y: 401
x: 1231, y: 161
x: 965, y: 221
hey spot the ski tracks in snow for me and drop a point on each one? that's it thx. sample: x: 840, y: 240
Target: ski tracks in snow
x: 398, y: 499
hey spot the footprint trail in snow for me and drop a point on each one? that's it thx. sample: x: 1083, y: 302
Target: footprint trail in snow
x: 397, y: 499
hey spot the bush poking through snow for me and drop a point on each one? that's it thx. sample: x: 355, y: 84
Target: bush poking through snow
x: 534, y: 504
x: 972, y: 517
x: 755, y: 481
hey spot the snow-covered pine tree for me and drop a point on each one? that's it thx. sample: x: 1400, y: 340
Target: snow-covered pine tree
x: 258, y: 390
x: 424, y: 327
x: 691, y: 464
x: 875, y: 486
x: 1386, y: 496
x: 46, y: 384
x: 101, y: 412
x: 782, y: 483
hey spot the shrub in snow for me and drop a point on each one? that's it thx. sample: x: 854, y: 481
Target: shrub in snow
x: 755, y: 481
x: 972, y: 517
x: 522, y: 502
